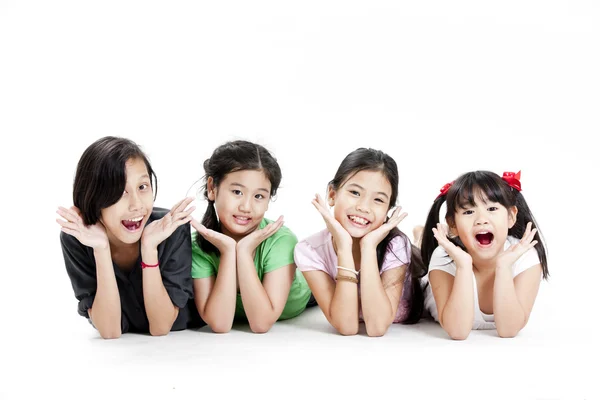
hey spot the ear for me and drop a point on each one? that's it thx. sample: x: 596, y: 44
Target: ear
x: 330, y: 196
x: 512, y: 216
x: 210, y: 188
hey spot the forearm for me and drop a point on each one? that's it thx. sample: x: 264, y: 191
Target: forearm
x: 219, y: 310
x: 106, y: 309
x: 377, y: 309
x: 258, y: 307
x: 343, y: 310
x: 509, y: 315
x: 160, y: 309
x: 457, y: 316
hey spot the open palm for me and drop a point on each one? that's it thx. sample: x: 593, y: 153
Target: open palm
x: 157, y: 231
x: 93, y: 236
x: 340, y: 235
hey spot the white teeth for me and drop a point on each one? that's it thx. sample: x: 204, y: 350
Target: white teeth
x: 135, y: 219
x: 359, y: 220
x: 243, y: 218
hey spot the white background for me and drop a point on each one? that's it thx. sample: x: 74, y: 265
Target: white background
x: 443, y: 87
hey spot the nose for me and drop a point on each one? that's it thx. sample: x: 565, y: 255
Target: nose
x: 362, y: 206
x: 481, y: 219
x: 245, y: 204
x: 135, y: 202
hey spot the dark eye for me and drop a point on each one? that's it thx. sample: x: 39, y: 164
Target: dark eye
x: 379, y: 200
x: 237, y: 192
x: 493, y: 208
x: 354, y: 192
x: 259, y: 196
x: 144, y: 186
x: 467, y: 212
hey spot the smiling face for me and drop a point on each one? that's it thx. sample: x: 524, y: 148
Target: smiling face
x: 483, y: 227
x: 362, y: 202
x: 241, y: 201
x: 125, y: 220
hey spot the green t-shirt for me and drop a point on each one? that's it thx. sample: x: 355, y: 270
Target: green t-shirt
x: 274, y: 252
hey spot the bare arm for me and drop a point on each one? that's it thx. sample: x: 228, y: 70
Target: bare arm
x: 454, y: 299
x: 380, y: 294
x: 106, y: 316
x: 263, y: 301
x: 160, y: 309
x: 513, y: 299
x: 338, y: 300
x: 215, y: 298
x: 454, y: 295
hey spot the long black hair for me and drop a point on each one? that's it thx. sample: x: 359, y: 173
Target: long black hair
x: 465, y: 190
x: 364, y: 159
x: 101, y: 175
x: 230, y: 157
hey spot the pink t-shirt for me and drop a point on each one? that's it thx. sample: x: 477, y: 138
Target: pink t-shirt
x: 316, y: 253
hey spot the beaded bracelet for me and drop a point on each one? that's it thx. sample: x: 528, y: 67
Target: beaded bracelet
x: 346, y: 278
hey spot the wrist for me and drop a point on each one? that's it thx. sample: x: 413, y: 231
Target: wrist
x: 102, y: 246
x: 228, y: 251
x: 101, y: 250
x: 502, y: 266
x: 468, y: 266
x: 241, y: 248
x: 366, y: 246
x: 149, y: 255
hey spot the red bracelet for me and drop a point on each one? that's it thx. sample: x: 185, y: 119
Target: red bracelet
x: 144, y: 265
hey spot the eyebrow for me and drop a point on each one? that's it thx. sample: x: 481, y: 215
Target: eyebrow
x: 244, y: 187
x: 362, y: 188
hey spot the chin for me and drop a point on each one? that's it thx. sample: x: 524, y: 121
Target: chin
x: 241, y: 230
x: 131, y: 238
x: 355, y: 233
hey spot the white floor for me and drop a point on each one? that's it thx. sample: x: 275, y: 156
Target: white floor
x: 300, y: 358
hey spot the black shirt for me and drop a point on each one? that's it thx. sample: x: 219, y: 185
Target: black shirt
x: 175, y: 259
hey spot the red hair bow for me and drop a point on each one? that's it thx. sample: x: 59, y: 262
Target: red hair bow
x: 444, y: 189
x: 513, y: 180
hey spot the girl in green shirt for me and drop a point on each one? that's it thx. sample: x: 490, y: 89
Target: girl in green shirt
x: 242, y: 263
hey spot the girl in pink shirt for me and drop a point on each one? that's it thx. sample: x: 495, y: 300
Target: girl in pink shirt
x: 362, y: 268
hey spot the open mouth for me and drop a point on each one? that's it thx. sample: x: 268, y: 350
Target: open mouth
x: 361, y: 222
x: 484, y: 238
x: 133, y: 224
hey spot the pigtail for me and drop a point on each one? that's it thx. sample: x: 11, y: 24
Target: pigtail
x: 210, y: 221
x: 417, y: 269
x: 524, y: 215
x: 428, y: 241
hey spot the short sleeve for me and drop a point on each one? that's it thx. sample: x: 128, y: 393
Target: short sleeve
x: 397, y: 254
x: 526, y: 261
x: 81, y: 269
x: 307, y: 258
x: 442, y: 261
x: 203, y: 265
x: 175, y: 265
x: 281, y: 250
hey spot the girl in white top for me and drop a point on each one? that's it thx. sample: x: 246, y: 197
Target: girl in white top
x: 486, y: 273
